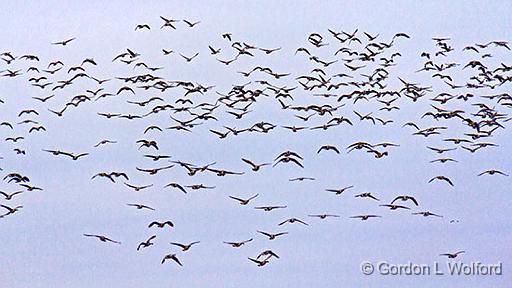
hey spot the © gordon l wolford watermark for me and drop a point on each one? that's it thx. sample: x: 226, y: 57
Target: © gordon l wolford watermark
x: 450, y: 268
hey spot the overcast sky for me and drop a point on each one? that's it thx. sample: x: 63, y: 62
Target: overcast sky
x: 43, y: 243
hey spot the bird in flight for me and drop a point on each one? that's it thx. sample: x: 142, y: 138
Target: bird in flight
x: 426, y: 214
x: 176, y: 185
x: 199, y: 186
x: 395, y: 207
x: 146, y: 243
x: 102, y: 238
x: 272, y: 236
x: 405, y: 198
x: 293, y: 220
x: 191, y: 24
x: 339, y: 191
x: 142, y: 26
x: 160, y: 224
x: 214, y: 51
x: 492, y: 172
x: 154, y: 170
x: 65, y: 42
x: 324, y: 216
x: 260, y: 263
x: 267, y: 254
x: 365, y: 217
x: 185, y: 247
x: 8, y: 196
x: 189, y: 59
x: 172, y: 257
x: 238, y: 244
x: 103, y: 142
x: 244, y: 201
x: 300, y: 179
x: 141, y: 206
x: 366, y: 195
x: 138, y: 188
x: 255, y: 167
x: 10, y: 210
x: 327, y: 148
x: 442, y: 178
x: 452, y: 255
x: 269, y: 208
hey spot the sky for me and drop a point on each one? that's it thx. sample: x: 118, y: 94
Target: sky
x: 43, y: 243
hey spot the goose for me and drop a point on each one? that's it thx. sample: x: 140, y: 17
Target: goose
x: 146, y: 243
x: 102, y: 238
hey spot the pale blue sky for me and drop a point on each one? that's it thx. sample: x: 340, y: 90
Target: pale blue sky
x: 43, y: 245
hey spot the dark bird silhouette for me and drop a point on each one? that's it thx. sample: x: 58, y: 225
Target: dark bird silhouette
x: 443, y: 160
x: 293, y: 220
x: 405, y: 198
x: 260, y: 263
x: 244, y: 201
x: 327, y: 148
x: 214, y: 51
x: 269, y: 208
x: 36, y: 128
x: 172, y: 257
x: 7, y: 124
x: 255, y: 167
x: 324, y: 216
x: 452, y: 255
x: 366, y: 195
x: 272, y: 236
x: 268, y: 51
x: 365, y: 217
x: 73, y: 156
x: 28, y: 111
x: 138, y: 188
x: 102, y: 238
x: 492, y: 172
x: 168, y: 22
x: 176, y: 185
x: 227, y: 36
x: 65, y: 42
x: 44, y: 99
x: 442, y: 178
x: 441, y: 150
x: 220, y: 134
x: 141, y: 206
x: 154, y: 170
x: 185, y: 247
x: 426, y: 214
x: 189, y: 59
x: 103, y: 142
x: 14, y: 139
x: 147, y: 143
x: 191, y: 24
x: 394, y: 206
x: 267, y: 254
x: 238, y: 244
x: 142, y: 26
x: 339, y: 191
x: 160, y: 224
x: 146, y: 243
x: 10, y: 210
x: 199, y: 186
x: 288, y: 159
x: 301, y: 179
x: 8, y: 196
x: 30, y: 187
